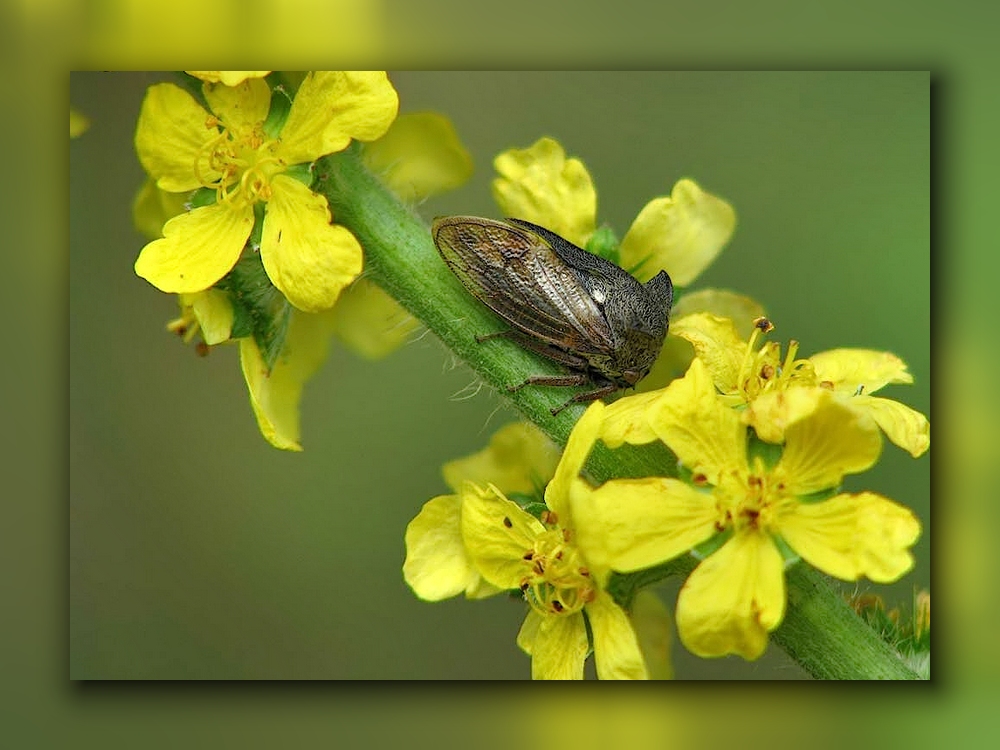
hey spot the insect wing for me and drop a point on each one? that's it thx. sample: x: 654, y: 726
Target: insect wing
x: 518, y: 275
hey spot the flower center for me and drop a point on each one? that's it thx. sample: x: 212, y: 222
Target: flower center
x: 557, y: 580
x: 245, y: 160
x: 763, y: 369
x: 756, y: 503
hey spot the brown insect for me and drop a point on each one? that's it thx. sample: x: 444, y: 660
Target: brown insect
x: 561, y: 301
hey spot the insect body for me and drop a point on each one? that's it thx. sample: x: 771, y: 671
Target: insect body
x: 561, y: 301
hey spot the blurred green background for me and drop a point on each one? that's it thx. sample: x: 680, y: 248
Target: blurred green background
x: 198, y: 551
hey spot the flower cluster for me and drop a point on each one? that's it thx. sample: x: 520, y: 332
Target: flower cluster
x: 762, y: 444
x: 745, y: 508
x: 479, y: 542
x: 242, y: 233
x: 239, y: 234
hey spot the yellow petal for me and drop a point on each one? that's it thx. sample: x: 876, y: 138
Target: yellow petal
x: 419, y: 156
x: 682, y: 234
x: 370, y: 322
x: 674, y: 360
x: 214, y: 313
x: 197, y: 249
x: 771, y: 412
x: 581, y: 440
x: 616, y: 648
x: 275, y: 396
x: 331, y: 108
x: 152, y: 208
x: 625, y: 420
x: 520, y: 458
x: 528, y: 633
x: 228, y: 77
x: 906, y: 427
x: 630, y: 524
x: 497, y: 534
x: 733, y: 599
x: 722, y: 303
x: 849, y: 536
x: 436, y: 565
x: 78, y: 123
x: 305, y: 256
x: 171, y: 137
x: 717, y: 343
x: 539, y: 184
x: 705, y: 435
x: 848, y: 369
x: 832, y: 441
x: 560, y: 648
x: 653, y: 628
x: 242, y: 106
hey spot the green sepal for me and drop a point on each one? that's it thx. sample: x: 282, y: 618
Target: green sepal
x: 788, y: 555
x: 258, y: 227
x: 301, y: 172
x: 535, y: 508
x: 202, y: 197
x: 193, y: 86
x: 604, y: 243
x: 259, y: 309
x: 709, y: 546
x: 820, y: 495
x: 768, y: 453
x: 623, y: 587
x: 281, y: 104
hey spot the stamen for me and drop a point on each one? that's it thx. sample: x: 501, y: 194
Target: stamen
x: 788, y: 364
x: 763, y: 324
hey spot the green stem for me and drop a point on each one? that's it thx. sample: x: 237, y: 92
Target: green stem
x: 825, y: 636
x: 819, y: 630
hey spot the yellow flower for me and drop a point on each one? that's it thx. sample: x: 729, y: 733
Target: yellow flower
x: 79, y: 123
x: 505, y: 546
x: 519, y: 459
x: 371, y: 323
x: 365, y: 318
x: 682, y: 233
x: 209, y: 313
x: 778, y: 390
x: 419, y: 156
x: 275, y: 393
x: 736, y: 595
x: 231, y: 151
x: 677, y: 353
x: 227, y: 77
x: 653, y: 626
x: 541, y: 185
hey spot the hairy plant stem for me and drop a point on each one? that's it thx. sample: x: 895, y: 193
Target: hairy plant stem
x: 819, y: 630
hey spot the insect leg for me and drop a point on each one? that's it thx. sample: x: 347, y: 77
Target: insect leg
x: 554, y: 380
x: 604, y: 390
